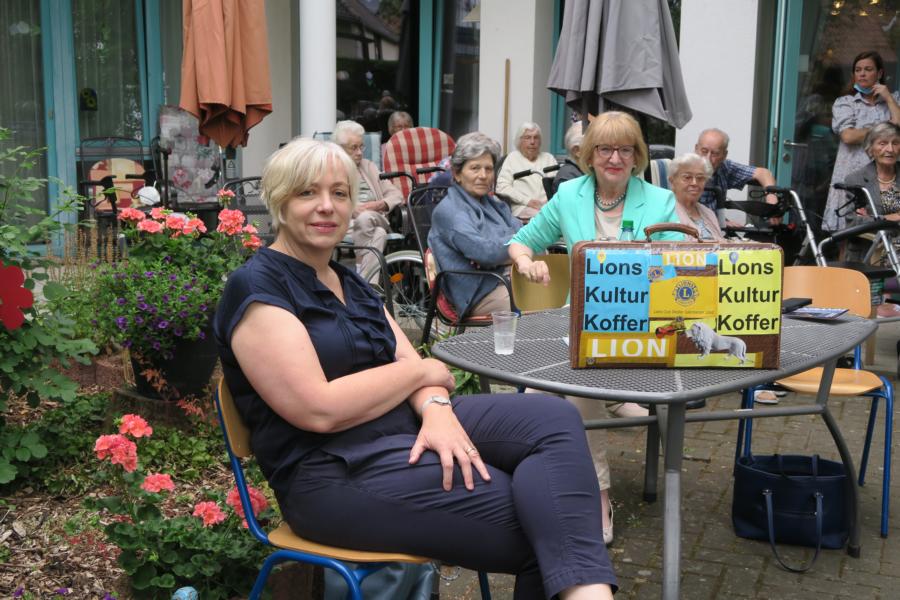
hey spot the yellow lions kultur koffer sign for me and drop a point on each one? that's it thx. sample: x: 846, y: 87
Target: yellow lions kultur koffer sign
x: 676, y: 305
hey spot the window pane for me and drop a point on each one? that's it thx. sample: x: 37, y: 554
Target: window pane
x: 107, y: 75
x: 374, y: 77
x: 459, y: 72
x: 21, y: 83
x: 831, y: 35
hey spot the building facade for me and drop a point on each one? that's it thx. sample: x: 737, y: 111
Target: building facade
x: 765, y: 71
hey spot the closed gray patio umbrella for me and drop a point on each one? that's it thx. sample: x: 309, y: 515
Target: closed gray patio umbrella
x: 621, y: 52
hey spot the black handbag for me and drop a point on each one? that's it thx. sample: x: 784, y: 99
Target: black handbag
x: 799, y: 500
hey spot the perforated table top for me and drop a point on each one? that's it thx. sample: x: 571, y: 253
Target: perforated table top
x: 541, y: 360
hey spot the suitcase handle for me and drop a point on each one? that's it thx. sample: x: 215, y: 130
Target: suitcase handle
x: 680, y: 227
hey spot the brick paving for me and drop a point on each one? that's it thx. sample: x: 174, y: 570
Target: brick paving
x: 716, y: 563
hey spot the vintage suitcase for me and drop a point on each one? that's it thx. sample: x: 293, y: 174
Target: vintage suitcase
x: 675, y: 304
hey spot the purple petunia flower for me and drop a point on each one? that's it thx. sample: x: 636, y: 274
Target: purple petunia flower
x: 188, y: 286
x: 167, y: 259
x: 165, y: 297
x: 203, y: 308
x: 201, y: 336
x: 126, y: 344
x: 173, y: 277
x: 155, y: 345
x: 120, y: 301
x: 94, y: 322
x: 107, y: 596
x: 20, y: 591
x: 138, y: 319
x: 143, y: 306
x: 140, y: 297
x: 149, y: 274
x: 61, y: 591
x: 122, y: 322
x: 182, y: 314
x: 153, y: 310
x: 162, y: 324
x: 182, y: 298
x: 178, y: 331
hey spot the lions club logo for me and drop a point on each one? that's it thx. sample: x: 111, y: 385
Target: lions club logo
x: 654, y: 273
x: 685, y: 293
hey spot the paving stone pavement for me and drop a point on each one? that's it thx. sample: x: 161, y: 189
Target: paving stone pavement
x: 716, y: 563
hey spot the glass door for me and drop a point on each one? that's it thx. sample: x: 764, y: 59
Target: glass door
x: 22, y: 84
x: 816, y: 43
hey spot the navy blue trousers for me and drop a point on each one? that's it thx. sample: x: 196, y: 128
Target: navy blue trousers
x: 538, y: 518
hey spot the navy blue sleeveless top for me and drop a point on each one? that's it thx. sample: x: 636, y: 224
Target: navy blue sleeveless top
x: 347, y: 337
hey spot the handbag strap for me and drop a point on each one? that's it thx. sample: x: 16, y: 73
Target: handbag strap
x: 814, y: 460
x: 770, y: 515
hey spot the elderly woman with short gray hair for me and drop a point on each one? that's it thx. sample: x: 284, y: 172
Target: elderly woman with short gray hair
x: 688, y: 175
x: 470, y: 228
x: 526, y: 194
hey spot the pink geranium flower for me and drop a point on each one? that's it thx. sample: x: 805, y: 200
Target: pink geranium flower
x: 249, y: 228
x: 175, y: 222
x: 135, y: 426
x: 158, y: 212
x: 253, y: 242
x: 209, y: 512
x: 230, y: 221
x: 149, y: 226
x: 157, y: 482
x: 119, y: 449
x: 192, y: 225
x: 131, y: 214
x: 257, y: 501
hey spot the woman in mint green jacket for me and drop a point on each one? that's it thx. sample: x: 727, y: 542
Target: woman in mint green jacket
x: 593, y: 207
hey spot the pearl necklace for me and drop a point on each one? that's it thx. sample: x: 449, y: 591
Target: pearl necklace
x: 606, y: 207
x: 887, y: 181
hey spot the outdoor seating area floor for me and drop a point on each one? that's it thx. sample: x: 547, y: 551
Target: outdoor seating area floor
x: 715, y: 562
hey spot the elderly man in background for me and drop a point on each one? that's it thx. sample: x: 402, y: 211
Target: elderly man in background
x: 377, y: 198
x: 727, y: 174
x: 526, y: 194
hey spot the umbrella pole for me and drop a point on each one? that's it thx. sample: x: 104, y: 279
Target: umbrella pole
x: 506, y: 106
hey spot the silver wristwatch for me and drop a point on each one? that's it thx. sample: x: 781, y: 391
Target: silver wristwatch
x: 437, y: 400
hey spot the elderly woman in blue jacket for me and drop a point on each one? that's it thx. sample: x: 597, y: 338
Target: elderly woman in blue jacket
x: 470, y: 229
x: 593, y: 207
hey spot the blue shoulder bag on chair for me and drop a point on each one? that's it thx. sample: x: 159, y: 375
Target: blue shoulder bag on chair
x: 798, y: 500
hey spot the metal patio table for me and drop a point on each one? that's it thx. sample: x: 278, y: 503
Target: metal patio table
x: 541, y: 361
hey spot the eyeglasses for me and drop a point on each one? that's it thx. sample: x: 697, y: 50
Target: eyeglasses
x: 355, y: 148
x: 692, y: 178
x: 625, y: 152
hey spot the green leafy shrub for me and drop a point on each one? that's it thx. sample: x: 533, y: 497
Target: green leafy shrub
x: 72, y: 426
x: 205, y: 546
x: 31, y: 353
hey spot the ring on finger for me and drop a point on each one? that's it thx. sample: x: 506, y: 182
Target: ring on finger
x: 470, y: 450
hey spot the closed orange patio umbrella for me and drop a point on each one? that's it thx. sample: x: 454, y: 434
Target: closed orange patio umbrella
x: 225, y: 68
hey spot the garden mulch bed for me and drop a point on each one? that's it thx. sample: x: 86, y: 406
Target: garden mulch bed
x: 40, y: 557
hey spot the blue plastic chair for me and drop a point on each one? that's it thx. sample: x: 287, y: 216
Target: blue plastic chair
x: 291, y: 547
x: 831, y: 287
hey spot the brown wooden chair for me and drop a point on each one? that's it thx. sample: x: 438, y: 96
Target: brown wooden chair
x: 530, y: 296
x: 290, y: 546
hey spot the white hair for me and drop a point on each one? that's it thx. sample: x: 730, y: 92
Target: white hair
x: 725, y: 138
x: 526, y: 126
x: 344, y: 129
x: 687, y: 159
x: 574, y: 135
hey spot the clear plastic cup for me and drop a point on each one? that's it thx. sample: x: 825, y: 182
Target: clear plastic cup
x: 504, y: 323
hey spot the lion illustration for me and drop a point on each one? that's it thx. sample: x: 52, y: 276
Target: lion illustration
x: 707, y: 340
